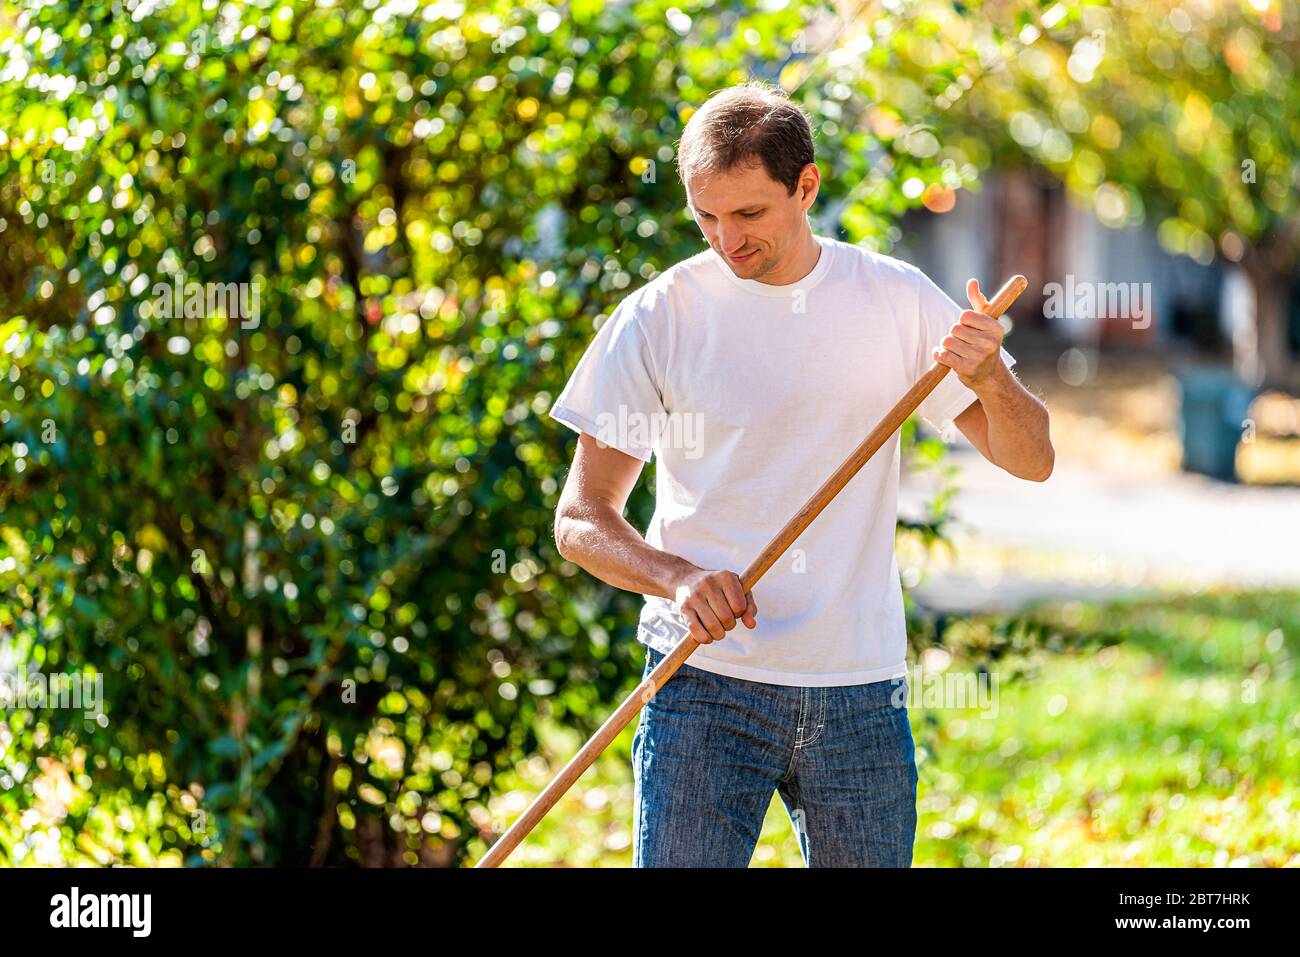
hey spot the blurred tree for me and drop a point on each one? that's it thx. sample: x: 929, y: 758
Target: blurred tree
x: 295, y: 285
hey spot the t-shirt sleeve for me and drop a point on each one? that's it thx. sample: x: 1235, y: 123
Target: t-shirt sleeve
x: 938, y: 314
x: 614, y: 393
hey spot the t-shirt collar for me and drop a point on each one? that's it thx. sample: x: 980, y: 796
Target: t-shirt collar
x: 767, y: 289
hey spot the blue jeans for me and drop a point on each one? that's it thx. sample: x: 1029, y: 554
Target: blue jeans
x: 710, y: 749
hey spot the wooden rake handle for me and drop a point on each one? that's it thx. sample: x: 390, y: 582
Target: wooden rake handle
x: 617, y: 721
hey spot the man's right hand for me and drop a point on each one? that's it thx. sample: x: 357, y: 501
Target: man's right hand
x: 712, y: 601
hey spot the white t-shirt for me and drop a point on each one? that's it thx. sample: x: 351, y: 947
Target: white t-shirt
x: 751, y: 395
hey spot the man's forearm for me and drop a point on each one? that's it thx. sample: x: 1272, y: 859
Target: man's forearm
x: 1018, y: 438
x: 604, y: 543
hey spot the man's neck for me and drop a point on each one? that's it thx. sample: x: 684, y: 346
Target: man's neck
x: 804, y: 262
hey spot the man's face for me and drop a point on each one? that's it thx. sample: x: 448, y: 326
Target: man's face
x: 749, y: 219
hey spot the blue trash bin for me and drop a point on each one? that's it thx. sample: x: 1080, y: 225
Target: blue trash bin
x: 1213, y: 405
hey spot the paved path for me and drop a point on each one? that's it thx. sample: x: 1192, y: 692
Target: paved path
x: 1119, y: 534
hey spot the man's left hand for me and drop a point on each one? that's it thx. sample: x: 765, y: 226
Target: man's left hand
x: 972, y: 348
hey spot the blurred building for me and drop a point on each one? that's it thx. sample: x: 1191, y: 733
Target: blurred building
x: 1022, y: 221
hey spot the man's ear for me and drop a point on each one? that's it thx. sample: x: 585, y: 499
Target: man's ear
x: 809, y: 183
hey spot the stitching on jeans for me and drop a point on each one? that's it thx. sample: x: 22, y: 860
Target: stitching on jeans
x: 821, y: 716
x: 639, y: 851
x: 789, y: 772
x: 805, y: 719
x: 639, y: 854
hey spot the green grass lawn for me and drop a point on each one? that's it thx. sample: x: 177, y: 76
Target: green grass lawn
x: 1160, y: 731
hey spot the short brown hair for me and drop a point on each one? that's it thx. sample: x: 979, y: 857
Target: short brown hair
x: 753, y: 120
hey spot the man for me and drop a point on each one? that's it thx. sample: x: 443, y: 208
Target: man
x: 751, y: 370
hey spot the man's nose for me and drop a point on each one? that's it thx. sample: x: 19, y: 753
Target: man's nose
x: 730, y: 238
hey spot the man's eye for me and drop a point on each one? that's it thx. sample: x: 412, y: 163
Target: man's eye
x: 752, y: 215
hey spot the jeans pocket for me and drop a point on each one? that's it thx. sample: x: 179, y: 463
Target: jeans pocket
x: 670, y: 689
x: 898, y: 705
x: 899, y: 693
x: 652, y: 660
